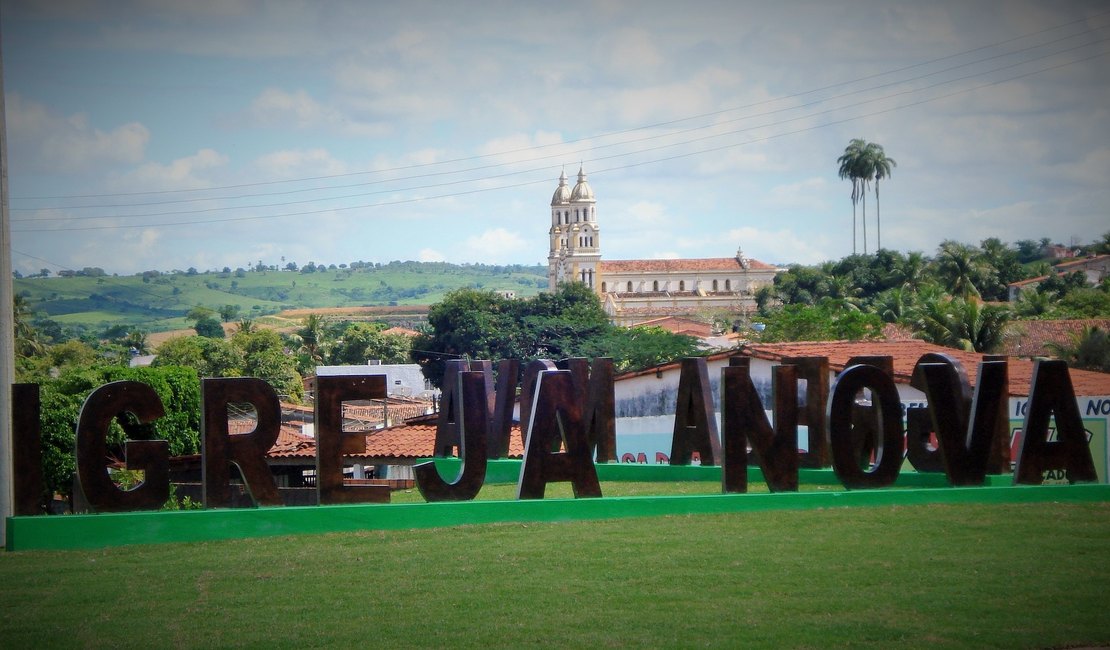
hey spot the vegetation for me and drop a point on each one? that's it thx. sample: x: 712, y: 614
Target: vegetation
x: 567, y: 323
x: 950, y: 299
x: 85, y: 304
x: 861, y: 163
x: 952, y: 576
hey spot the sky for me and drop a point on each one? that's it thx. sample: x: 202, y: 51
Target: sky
x: 167, y: 135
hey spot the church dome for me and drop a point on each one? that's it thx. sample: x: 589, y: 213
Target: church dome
x: 562, y: 193
x: 582, y: 190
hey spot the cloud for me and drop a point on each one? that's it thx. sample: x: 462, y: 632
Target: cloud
x: 279, y: 108
x: 430, y: 255
x: 189, y: 172
x: 299, y: 163
x: 779, y: 246
x: 810, y: 194
x: 46, y: 141
x: 494, y: 246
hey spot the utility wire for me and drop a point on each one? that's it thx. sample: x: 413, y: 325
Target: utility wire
x: 597, y: 159
x: 583, y: 139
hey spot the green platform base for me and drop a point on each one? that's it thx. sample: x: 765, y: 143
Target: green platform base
x: 98, y: 531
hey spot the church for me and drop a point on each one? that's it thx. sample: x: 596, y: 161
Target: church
x: 635, y: 291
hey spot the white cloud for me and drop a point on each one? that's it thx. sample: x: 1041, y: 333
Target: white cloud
x: 494, y: 246
x: 300, y: 163
x: 47, y: 141
x: 430, y: 255
x: 279, y: 108
x: 190, y: 172
x: 809, y: 194
x: 779, y: 246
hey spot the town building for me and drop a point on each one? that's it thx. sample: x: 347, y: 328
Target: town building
x: 633, y: 291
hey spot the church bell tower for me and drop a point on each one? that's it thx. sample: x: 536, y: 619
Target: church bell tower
x: 575, y: 252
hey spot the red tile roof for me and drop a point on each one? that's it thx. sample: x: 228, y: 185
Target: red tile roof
x: 403, y: 441
x: 1030, y: 338
x: 688, y: 265
x: 905, y: 353
x: 679, y: 326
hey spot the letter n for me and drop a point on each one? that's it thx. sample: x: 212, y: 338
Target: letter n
x: 1051, y: 393
x: 246, y: 450
x: 151, y: 456
x: 470, y: 404
x: 742, y: 419
x: 596, y: 392
x: 332, y: 441
x: 695, y: 425
x: 556, y: 416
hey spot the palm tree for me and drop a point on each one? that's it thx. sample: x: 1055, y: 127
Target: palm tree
x: 958, y: 265
x: 849, y: 168
x: 883, y: 167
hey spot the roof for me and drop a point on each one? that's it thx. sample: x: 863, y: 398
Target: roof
x: 1063, y: 266
x: 677, y: 325
x: 1030, y: 338
x: 905, y: 354
x: 703, y: 265
x: 403, y: 441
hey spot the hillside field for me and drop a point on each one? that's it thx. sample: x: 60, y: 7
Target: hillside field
x: 159, y: 302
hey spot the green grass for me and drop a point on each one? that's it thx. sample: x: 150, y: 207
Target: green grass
x: 160, y: 303
x: 1005, y: 576
x: 563, y: 490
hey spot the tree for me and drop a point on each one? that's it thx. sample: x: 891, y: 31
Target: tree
x: 883, y: 166
x: 228, y: 313
x: 824, y: 322
x: 209, y: 327
x: 209, y: 357
x: 958, y: 266
x: 137, y: 341
x: 966, y: 324
x: 850, y: 169
x: 1088, y: 349
x: 361, y: 342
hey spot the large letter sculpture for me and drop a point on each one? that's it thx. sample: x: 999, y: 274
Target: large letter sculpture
x: 470, y: 404
x: 246, y: 450
x: 556, y: 417
x: 593, y: 386
x: 332, y: 442
x: 447, y: 428
x: 501, y: 415
x: 964, y: 433
x: 1051, y: 393
x: 695, y: 425
x: 151, y: 456
x: 27, y: 449
x: 528, y: 386
x: 815, y: 372
x: 743, y: 419
x: 845, y: 450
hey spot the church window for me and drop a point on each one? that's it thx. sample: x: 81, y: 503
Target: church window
x: 714, y: 285
x: 655, y: 285
x: 728, y: 285
x: 603, y: 287
x: 682, y: 285
x: 629, y: 287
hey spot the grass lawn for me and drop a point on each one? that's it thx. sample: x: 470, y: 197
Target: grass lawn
x: 1005, y: 576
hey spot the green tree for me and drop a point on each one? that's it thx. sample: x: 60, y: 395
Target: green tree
x: 209, y: 327
x: 208, y: 357
x: 824, y: 322
x: 1088, y: 349
x: 360, y: 342
x: 883, y: 167
x: 850, y: 169
x: 229, y: 312
x: 958, y: 266
x: 966, y: 324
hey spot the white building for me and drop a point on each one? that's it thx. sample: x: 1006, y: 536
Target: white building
x: 633, y: 291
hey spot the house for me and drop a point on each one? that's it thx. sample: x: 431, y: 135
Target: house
x: 1095, y: 268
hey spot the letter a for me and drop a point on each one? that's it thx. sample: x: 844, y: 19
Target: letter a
x: 695, y: 426
x: 555, y: 416
x: 1051, y: 393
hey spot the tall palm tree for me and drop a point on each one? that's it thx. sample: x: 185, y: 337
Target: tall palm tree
x: 849, y: 169
x: 958, y: 265
x: 883, y: 167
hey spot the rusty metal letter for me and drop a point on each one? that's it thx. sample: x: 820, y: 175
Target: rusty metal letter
x: 501, y: 417
x: 593, y: 386
x: 845, y: 452
x: 471, y: 404
x: 246, y: 450
x: 695, y: 425
x: 152, y: 456
x: 743, y: 419
x: 447, y: 428
x: 27, y: 450
x: 815, y: 372
x: 528, y: 393
x: 332, y: 442
x: 964, y: 434
x: 1051, y: 394
x: 556, y: 416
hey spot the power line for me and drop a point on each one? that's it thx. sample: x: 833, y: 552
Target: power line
x: 569, y: 142
x: 596, y: 159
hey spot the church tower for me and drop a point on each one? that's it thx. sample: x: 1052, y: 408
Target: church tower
x: 575, y: 252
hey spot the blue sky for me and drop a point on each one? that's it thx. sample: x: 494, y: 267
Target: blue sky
x: 164, y: 135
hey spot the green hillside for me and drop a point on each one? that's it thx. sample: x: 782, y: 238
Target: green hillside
x: 159, y: 301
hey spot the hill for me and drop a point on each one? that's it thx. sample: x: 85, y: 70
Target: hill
x: 155, y: 301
